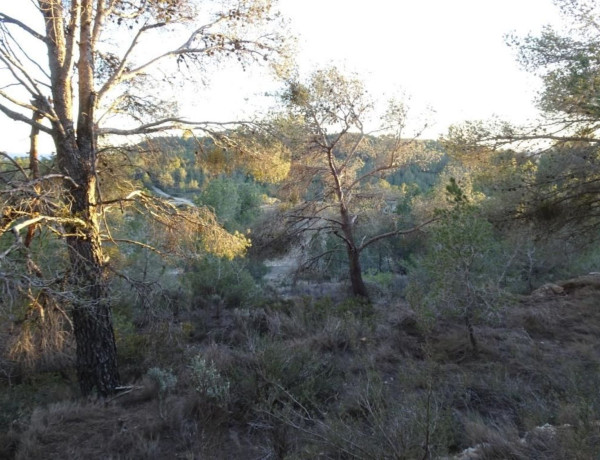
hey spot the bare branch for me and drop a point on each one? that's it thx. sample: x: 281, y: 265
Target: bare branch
x: 519, y: 138
x: 382, y: 236
x: 119, y: 73
x: 17, y: 43
x: 301, y: 217
x: 71, y: 35
x: 135, y: 243
x: 349, y: 243
x: 17, y: 165
x: 20, y: 117
x: 19, y: 72
x: 31, y: 107
x: 55, y: 176
x: 6, y: 19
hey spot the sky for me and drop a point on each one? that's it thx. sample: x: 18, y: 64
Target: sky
x: 449, y: 55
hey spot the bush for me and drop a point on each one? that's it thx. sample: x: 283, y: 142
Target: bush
x: 228, y: 281
x: 461, y: 270
x: 208, y: 381
x: 164, y: 379
x: 235, y: 203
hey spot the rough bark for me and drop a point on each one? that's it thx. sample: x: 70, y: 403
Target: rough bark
x: 356, y: 280
x: 76, y: 157
x: 92, y: 319
x: 358, y: 286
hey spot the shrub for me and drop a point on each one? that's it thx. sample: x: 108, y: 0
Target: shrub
x: 461, y: 270
x: 164, y: 378
x: 228, y: 281
x: 208, y: 381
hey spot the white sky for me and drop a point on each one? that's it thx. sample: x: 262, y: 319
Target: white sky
x: 448, y: 54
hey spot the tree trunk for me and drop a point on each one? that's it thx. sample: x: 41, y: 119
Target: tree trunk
x: 92, y: 322
x: 34, y: 163
x: 358, y: 286
x: 92, y: 318
x: 76, y: 158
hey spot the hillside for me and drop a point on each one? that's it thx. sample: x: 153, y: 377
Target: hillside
x: 313, y: 378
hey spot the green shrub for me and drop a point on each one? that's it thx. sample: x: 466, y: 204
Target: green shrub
x: 164, y: 379
x: 235, y: 203
x: 131, y: 345
x: 295, y: 374
x: 461, y: 270
x: 229, y: 281
x: 315, y: 311
x: 208, y: 381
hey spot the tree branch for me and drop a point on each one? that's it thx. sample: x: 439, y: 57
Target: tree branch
x: 71, y: 34
x: 6, y: 19
x: 20, y: 117
x: 117, y: 76
x: 121, y: 75
x: 34, y: 220
x: 346, y: 240
x: 510, y: 139
x: 18, y: 71
x: 17, y: 165
x: 33, y: 108
x: 135, y: 243
x: 395, y: 233
x: 170, y: 123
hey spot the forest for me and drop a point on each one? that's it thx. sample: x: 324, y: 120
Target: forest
x: 323, y: 281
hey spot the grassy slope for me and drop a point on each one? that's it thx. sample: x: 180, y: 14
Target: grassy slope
x: 323, y: 379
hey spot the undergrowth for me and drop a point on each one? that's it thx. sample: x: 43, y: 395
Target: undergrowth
x: 318, y: 378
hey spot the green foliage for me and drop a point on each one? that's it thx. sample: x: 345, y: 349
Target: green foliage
x: 455, y: 192
x: 423, y: 178
x: 562, y: 196
x: 131, y: 345
x: 294, y: 375
x: 461, y: 269
x: 208, y: 381
x: 386, y: 284
x: 222, y: 196
x: 164, y: 379
x: 316, y: 311
x: 568, y: 64
x: 236, y: 203
x: 230, y: 281
x: 384, y: 279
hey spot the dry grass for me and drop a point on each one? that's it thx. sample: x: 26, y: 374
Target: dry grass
x: 319, y: 379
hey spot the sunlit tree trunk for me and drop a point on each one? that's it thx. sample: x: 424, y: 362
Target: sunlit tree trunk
x: 76, y: 158
x: 66, y: 91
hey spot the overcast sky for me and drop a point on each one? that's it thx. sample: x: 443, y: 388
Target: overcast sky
x: 447, y: 54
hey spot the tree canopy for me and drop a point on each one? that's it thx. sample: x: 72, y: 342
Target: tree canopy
x: 337, y: 162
